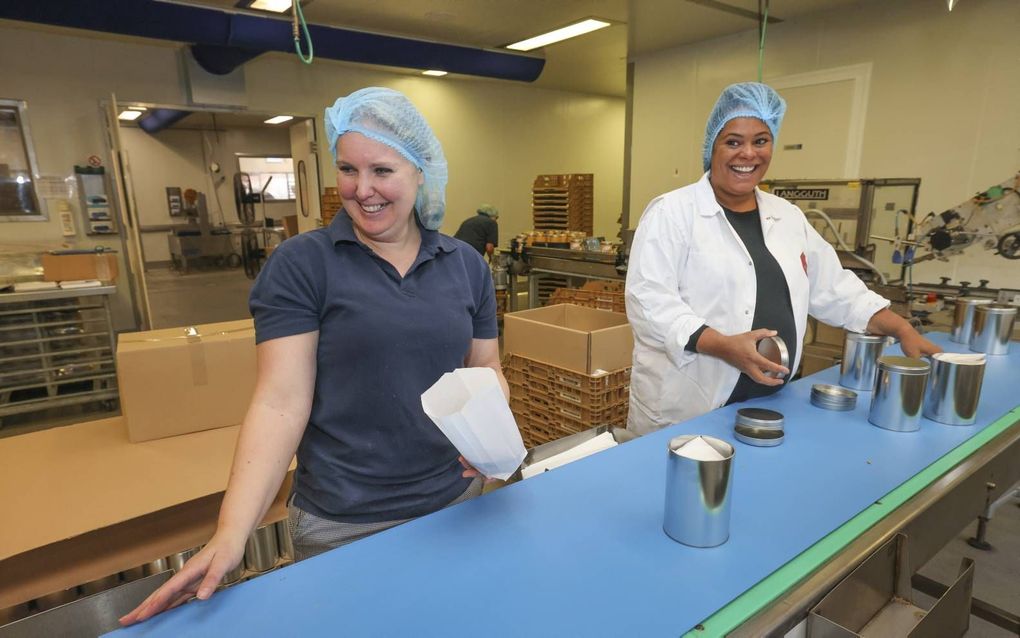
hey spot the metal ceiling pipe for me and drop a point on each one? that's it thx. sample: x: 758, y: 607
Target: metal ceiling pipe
x: 226, y: 40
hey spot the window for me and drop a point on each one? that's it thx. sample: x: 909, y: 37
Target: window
x: 275, y: 170
x: 18, y: 200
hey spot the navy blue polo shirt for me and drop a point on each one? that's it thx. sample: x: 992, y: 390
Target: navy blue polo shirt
x: 369, y: 452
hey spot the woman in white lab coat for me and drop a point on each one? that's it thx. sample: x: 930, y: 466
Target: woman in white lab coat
x: 718, y: 265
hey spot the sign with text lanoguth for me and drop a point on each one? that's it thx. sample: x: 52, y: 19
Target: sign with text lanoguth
x: 802, y: 193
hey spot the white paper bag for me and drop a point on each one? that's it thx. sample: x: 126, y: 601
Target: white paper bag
x: 469, y: 407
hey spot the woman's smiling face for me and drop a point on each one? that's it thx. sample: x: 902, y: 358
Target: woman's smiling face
x: 377, y: 185
x: 740, y: 157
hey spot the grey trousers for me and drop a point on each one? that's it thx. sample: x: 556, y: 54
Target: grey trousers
x: 313, y: 535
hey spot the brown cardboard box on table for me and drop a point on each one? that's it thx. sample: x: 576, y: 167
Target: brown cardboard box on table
x: 581, y: 339
x: 101, y: 266
x: 181, y: 380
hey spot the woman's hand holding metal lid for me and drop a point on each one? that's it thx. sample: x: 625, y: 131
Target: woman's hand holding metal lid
x: 741, y: 352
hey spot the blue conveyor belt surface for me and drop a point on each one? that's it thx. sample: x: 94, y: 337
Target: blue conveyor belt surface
x: 581, y: 551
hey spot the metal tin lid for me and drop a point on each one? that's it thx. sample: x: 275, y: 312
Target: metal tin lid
x: 758, y: 437
x: 997, y: 309
x: 864, y: 338
x: 833, y: 392
x: 973, y: 301
x: 904, y: 365
x: 760, y: 418
x: 774, y: 349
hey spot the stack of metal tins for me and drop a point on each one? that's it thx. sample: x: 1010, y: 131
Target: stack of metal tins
x: 833, y: 397
x: 759, y: 427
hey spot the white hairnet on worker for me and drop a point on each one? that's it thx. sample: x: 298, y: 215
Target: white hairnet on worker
x: 746, y: 99
x: 388, y: 117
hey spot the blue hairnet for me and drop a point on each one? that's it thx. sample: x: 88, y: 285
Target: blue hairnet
x: 746, y: 99
x: 488, y: 210
x: 388, y: 117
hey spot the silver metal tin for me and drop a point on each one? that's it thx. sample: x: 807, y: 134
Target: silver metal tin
x: 993, y: 328
x: 176, y: 561
x: 758, y: 437
x: 774, y: 349
x: 860, y: 360
x: 283, y: 540
x: 833, y: 397
x: 899, y: 393
x: 954, y: 389
x: 759, y: 418
x: 261, y: 551
x: 697, y: 511
x: 963, y: 318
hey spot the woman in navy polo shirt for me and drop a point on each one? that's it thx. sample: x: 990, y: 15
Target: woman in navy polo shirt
x: 353, y: 322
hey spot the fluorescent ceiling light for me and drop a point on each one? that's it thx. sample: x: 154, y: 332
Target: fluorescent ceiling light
x: 137, y: 108
x: 276, y: 6
x: 571, y: 31
x: 434, y: 73
x: 129, y: 115
x: 279, y: 119
x: 951, y: 3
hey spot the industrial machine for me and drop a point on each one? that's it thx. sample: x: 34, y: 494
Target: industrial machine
x: 990, y: 219
x: 197, y: 239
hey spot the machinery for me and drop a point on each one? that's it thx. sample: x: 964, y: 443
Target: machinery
x: 990, y: 219
x: 198, y: 239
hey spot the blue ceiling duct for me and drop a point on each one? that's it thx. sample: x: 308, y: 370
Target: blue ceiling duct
x: 156, y: 120
x: 222, y: 40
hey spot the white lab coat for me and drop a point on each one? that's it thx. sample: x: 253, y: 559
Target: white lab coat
x: 688, y: 268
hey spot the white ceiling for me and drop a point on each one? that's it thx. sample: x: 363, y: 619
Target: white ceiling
x: 595, y: 63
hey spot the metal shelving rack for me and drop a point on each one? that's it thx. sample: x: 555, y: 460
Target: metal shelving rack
x: 56, y: 350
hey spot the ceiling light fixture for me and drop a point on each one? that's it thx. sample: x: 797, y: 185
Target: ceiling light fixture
x: 137, y: 108
x: 951, y: 3
x: 279, y: 119
x: 275, y: 6
x: 129, y: 116
x: 569, y: 31
x: 434, y: 73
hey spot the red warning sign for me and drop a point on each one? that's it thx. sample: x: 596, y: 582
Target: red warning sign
x: 94, y: 160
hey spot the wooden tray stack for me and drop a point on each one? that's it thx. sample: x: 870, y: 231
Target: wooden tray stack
x: 563, y: 202
x: 330, y: 204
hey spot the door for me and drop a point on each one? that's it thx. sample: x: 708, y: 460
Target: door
x: 304, y: 151
x: 128, y: 218
x: 823, y: 129
x: 813, y: 138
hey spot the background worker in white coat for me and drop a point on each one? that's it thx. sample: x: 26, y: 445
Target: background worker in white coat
x: 718, y: 265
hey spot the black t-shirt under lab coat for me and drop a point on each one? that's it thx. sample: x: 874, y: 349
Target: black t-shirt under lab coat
x: 772, y: 307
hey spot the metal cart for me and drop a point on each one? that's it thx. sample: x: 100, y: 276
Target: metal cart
x: 56, y: 350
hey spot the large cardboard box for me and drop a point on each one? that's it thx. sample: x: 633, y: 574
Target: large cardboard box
x: 182, y: 380
x: 581, y: 339
x: 101, y: 266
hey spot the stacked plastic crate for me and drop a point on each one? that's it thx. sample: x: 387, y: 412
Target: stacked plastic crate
x: 604, y: 295
x: 562, y: 202
x: 330, y: 204
x: 550, y: 403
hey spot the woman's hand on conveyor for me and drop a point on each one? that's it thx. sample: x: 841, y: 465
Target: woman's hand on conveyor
x: 741, y: 352
x: 199, y: 578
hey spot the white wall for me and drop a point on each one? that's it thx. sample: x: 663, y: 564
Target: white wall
x: 497, y: 135
x: 943, y: 102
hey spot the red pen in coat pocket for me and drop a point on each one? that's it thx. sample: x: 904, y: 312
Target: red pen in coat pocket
x: 803, y: 262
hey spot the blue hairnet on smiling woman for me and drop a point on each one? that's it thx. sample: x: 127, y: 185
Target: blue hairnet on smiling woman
x: 746, y: 99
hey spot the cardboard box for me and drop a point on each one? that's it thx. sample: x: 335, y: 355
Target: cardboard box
x: 101, y: 266
x: 581, y: 339
x: 182, y: 380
